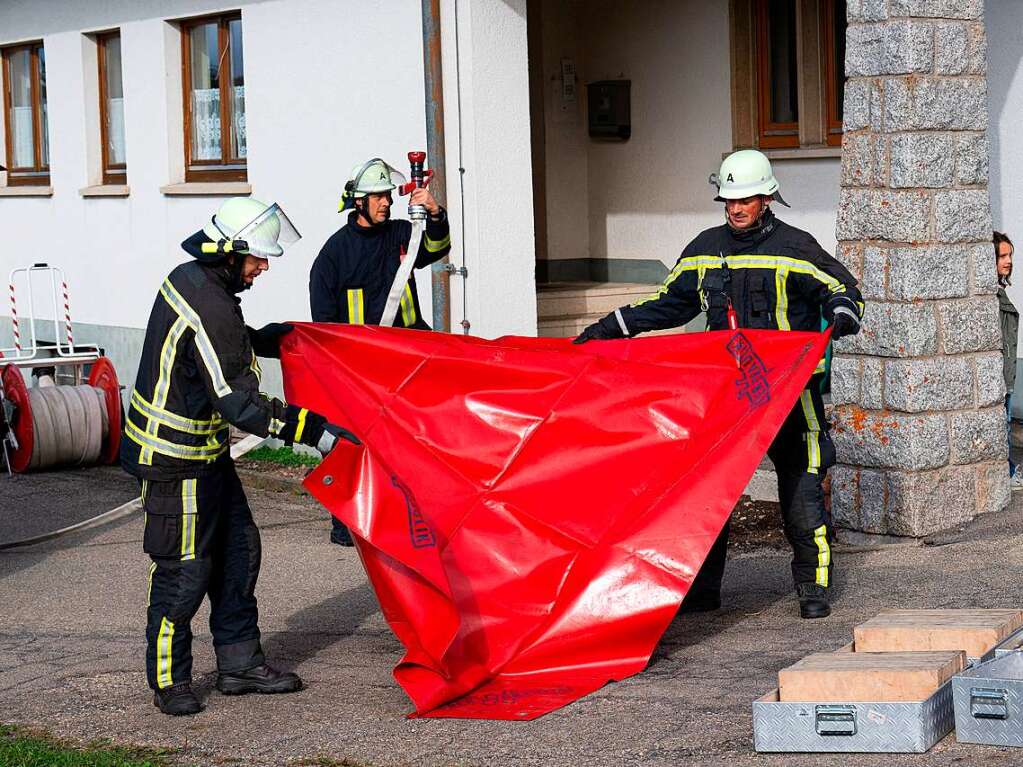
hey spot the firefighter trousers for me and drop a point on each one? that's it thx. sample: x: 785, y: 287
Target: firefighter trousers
x: 802, y: 453
x: 202, y: 541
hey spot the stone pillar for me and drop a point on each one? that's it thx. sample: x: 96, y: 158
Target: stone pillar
x: 919, y: 420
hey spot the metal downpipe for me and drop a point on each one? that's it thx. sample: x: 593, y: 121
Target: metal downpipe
x: 434, y: 91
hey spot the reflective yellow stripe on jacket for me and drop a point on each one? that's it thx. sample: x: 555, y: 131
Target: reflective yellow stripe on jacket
x: 746, y: 261
x: 408, y: 307
x: 208, y: 452
x: 300, y: 426
x: 175, y: 421
x: 168, y: 352
x: 433, y: 246
x: 256, y: 369
x: 202, y: 340
x: 356, y: 307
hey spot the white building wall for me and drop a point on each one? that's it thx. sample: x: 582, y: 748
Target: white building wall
x: 486, y: 94
x: 648, y: 196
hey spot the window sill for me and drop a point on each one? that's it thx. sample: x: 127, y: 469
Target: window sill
x: 207, y: 189
x: 26, y: 191
x: 105, y: 190
x: 807, y: 153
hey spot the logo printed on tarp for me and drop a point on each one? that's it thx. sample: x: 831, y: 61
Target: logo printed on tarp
x: 419, y: 532
x: 753, y: 385
x: 507, y: 697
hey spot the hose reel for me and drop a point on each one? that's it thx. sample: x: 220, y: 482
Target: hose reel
x: 49, y: 425
x: 54, y: 425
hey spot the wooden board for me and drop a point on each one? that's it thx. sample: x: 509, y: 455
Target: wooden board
x: 975, y: 631
x: 879, y: 677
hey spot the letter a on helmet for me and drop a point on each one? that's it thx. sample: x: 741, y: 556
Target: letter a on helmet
x: 746, y: 173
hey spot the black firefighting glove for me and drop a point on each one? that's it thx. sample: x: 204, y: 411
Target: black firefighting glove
x: 605, y: 329
x: 266, y: 342
x: 312, y: 429
x: 331, y: 434
x: 843, y: 323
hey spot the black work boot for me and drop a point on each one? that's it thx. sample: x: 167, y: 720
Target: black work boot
x: 177, y: 700
x: 339, y: 535
x: 697, y: 602
x: 813, y: 601
x: 263, y: 678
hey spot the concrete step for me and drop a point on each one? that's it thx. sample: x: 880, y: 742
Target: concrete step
x: 571, y: 299
x: 565, y: 327
x: 569, y: 327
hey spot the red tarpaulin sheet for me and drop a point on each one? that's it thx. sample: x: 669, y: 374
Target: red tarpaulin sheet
x: 531, y: 513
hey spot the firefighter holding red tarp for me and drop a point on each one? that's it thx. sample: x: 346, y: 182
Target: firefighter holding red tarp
x: 765, y: 274
x: 198, y: 373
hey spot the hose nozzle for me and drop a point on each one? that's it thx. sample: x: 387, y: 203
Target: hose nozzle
x: 416, y: 160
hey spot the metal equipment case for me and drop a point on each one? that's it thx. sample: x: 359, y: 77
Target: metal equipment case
x: 988, y: 701
x: 911, y: 727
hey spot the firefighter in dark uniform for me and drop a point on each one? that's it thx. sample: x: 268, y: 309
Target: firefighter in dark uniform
x: 198, y: 374
x: 352, y: 276
x: 775, y: 277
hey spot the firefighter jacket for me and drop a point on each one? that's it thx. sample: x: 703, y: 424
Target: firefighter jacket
x: 776, y: 277
x: 198, y: 373
x: 353, y: 273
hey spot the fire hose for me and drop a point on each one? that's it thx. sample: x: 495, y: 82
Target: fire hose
x: 237, y: 450
x: 417, y: 214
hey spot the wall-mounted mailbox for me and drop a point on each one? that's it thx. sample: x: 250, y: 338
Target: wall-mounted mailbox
x: 609, y: 109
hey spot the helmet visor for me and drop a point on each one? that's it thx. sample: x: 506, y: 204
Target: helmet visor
x: 269, y: 232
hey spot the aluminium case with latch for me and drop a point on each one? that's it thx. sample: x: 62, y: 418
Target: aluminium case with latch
x: 860, y: 727
x: 988, y: 701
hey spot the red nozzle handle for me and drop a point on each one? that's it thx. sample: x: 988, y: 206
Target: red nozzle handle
x: 417, y: 157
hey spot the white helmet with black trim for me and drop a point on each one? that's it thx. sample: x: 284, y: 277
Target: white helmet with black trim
x: 746, y: 173
x: 247, y: 226
x: 371, y: 177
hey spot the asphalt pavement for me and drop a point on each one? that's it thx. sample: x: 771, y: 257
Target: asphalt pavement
x: 72, y: 623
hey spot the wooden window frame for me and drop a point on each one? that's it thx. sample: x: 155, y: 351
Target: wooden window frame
x: 224, y: 169
x: 818, y: 127
x: 113, y: 172
x: 771, y: 135
x: 40, y: 173
x: 832, y: 122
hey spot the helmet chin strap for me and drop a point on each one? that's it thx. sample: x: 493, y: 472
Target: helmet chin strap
x: 360, y: 210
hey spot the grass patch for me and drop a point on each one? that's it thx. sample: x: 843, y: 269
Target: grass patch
x: 281, y: 456
x: 21, y: 747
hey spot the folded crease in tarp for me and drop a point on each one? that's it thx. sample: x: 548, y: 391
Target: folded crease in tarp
x: 531, y: 513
